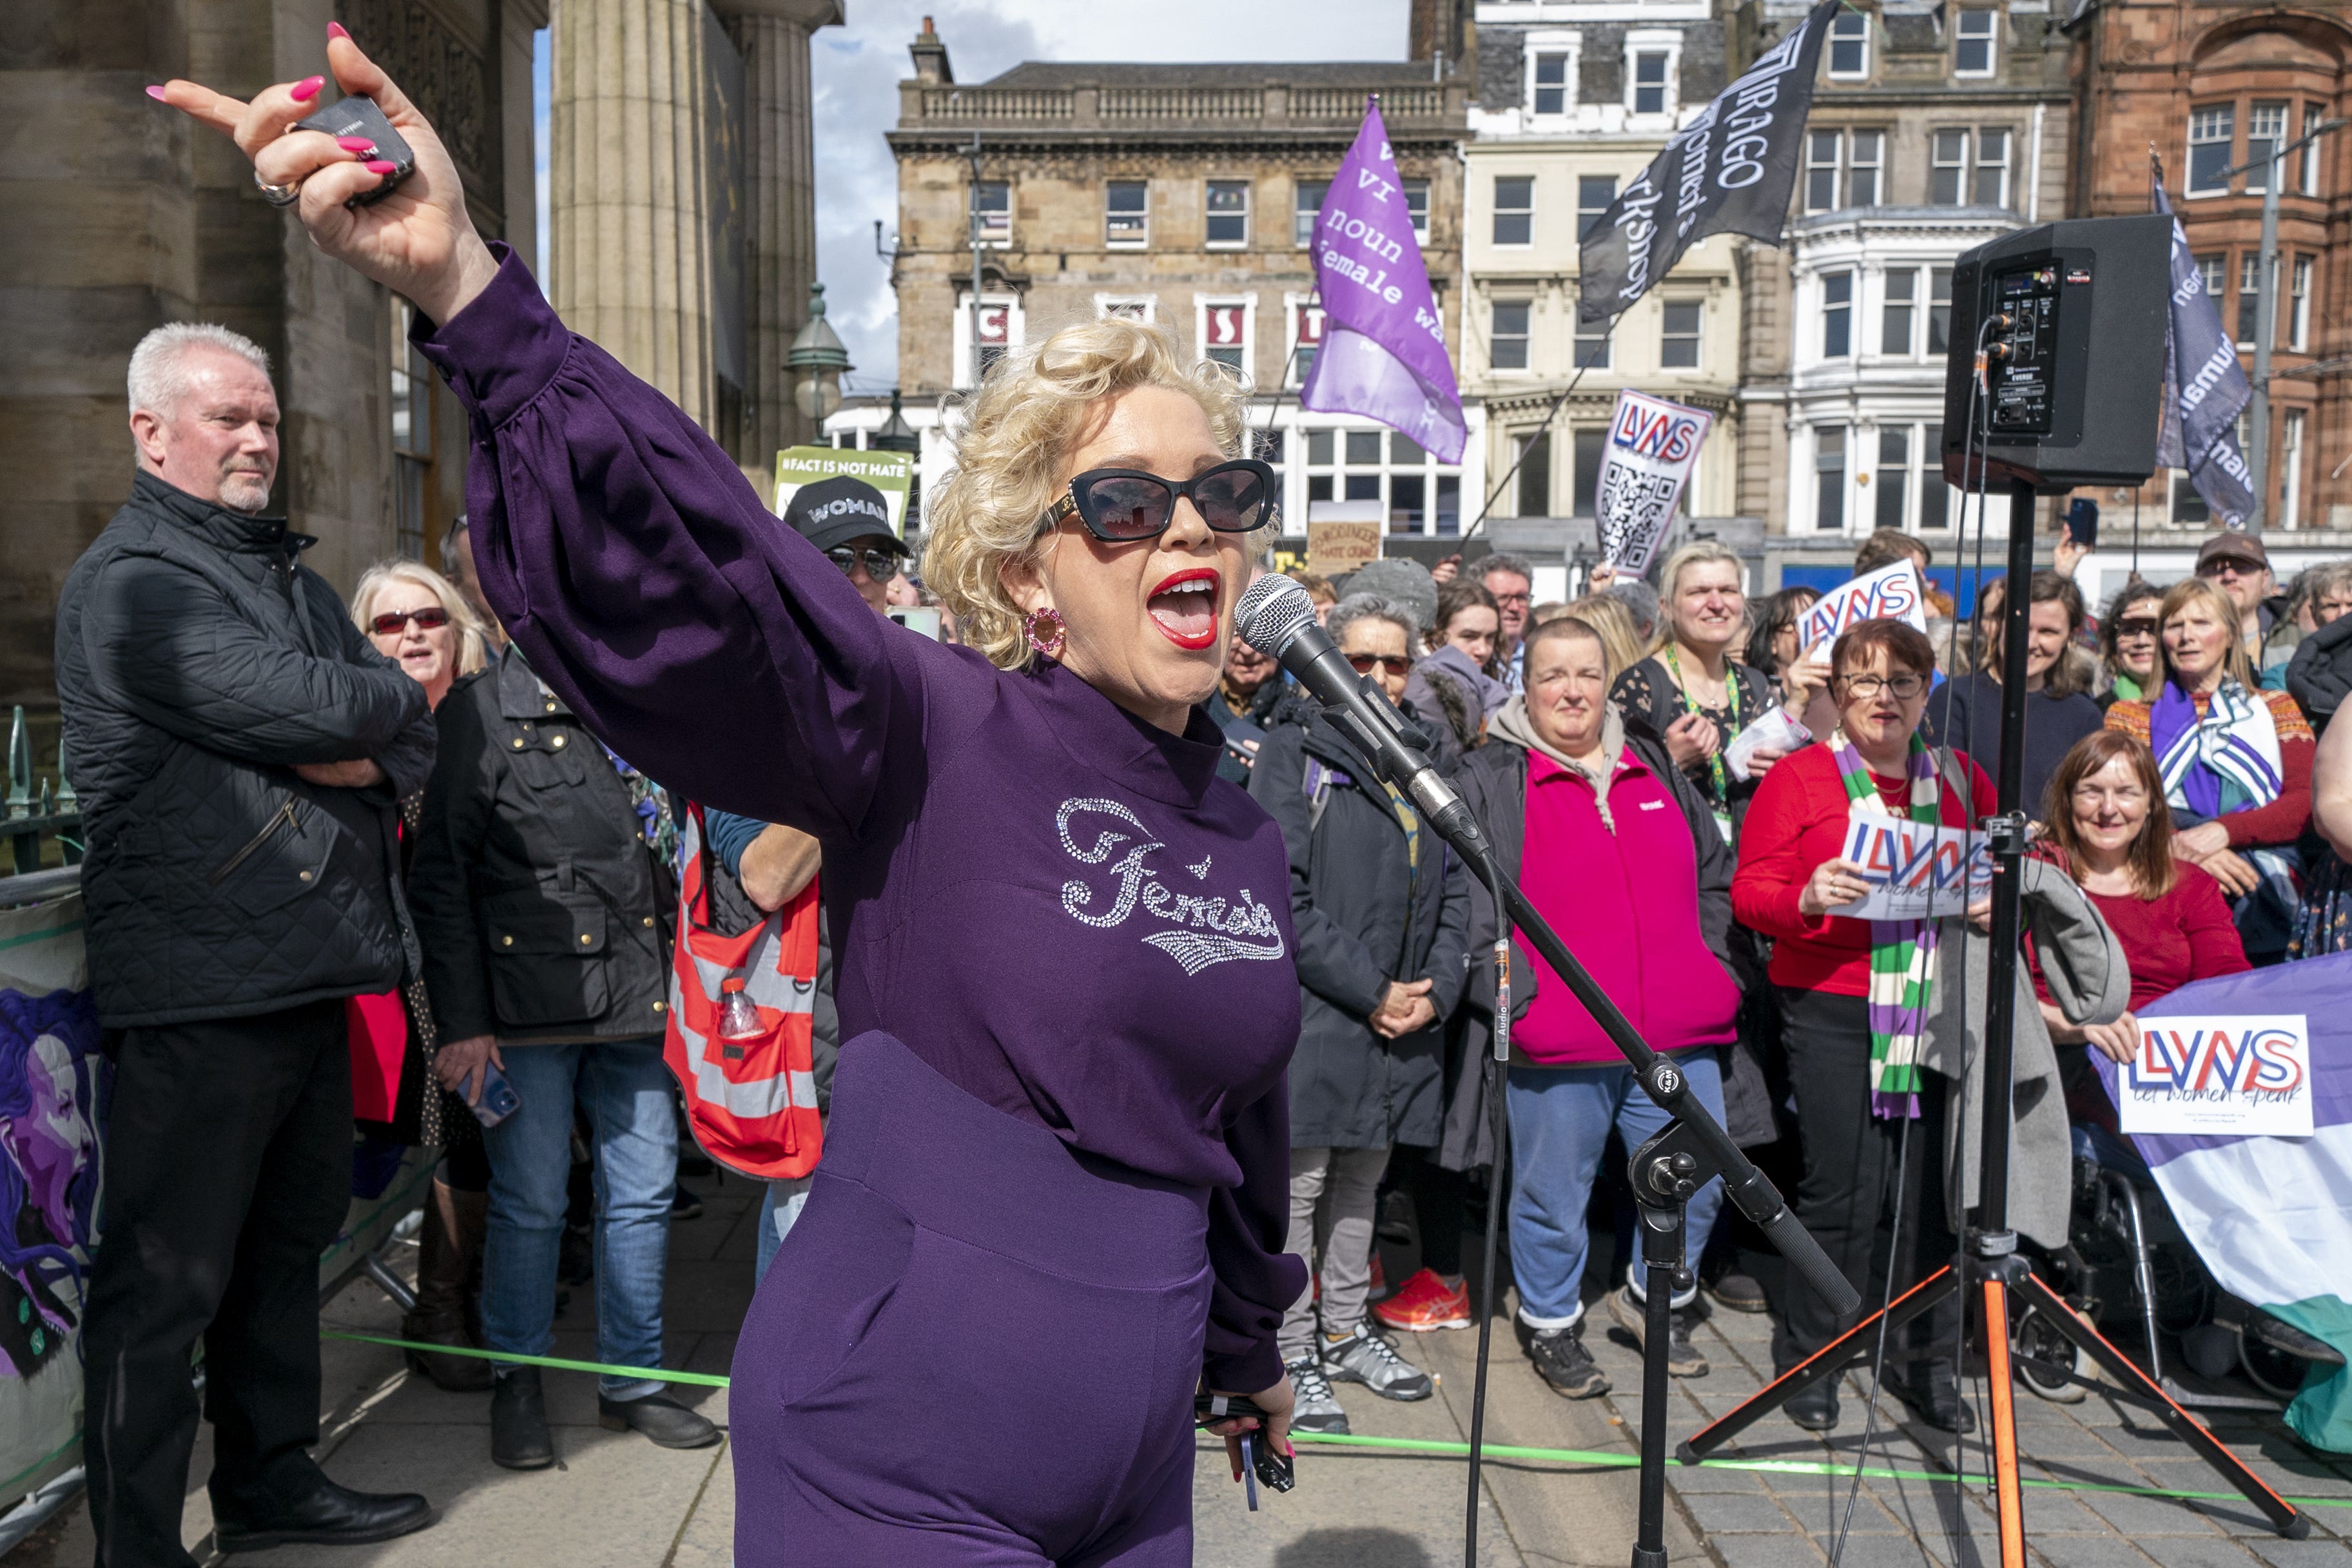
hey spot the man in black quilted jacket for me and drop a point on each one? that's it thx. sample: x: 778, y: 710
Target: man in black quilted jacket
x: 240, y: 749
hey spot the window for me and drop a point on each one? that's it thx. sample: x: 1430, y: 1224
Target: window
x: 1228, y: 213
x: 2250, y: 298
x: 1130, y: 308
x: 2188, y: 502
x: 1949, y: 168
x: 1416, y: 201
x: 1226, y: 334
x: 1973, y: 44
x: 1418, y: 494
x: 1305, y: 207
x: 1849, y: 46
x: 2266, y: 132
x: 2211, y: 269
x: 2313, y: 113
x: 1992, y: 168
x: 1588, y: 445
x: 1306, y: 337
x: 1127, y: 215
x: 1592, y: 344
x: 1822, y: 171
x: 1837, y: 315
x: 1678, y: 335
x: 1594, y: 196
x: 1550, y: 84
x: 1650, y: 82
x: 1895, y: 314
x: 1862, y: 168
x: 1514, y: 209
x: 999, y: 329
x: 992, y: 207
x: 1894, y: 471
x: 1534, y: 454
x: 1935, y: 496
x: 2290, y: 469
x: 2212, y: 132
x: 412, y: 437
x: 2298, y: 319
x: 1829, y: 479
x: 1939, y: 310
x: 1508, y: 339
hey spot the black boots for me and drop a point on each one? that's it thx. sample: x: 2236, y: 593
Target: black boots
x: 299, y: 1503
x: 518, y: 1439
x: 1934, y: 1396
x: 449, y: 1277
x: 663, y: 1420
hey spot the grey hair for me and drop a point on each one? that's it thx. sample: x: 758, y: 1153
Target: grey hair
x: 1498, y: 562
x: 158, y: 380
x: 1371, y: 607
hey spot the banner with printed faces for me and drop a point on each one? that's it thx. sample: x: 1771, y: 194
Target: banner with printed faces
x: 1647, y: 460
x: 1916, y: 871
x: 1890, y: 593
x: 2245, y: 1074
x: 1729, y: 170
x: 892, y: 472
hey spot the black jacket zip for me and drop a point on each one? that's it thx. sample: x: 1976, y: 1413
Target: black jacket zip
x: 283, y: 815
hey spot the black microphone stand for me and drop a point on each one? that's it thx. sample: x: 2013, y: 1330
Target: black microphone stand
x: 1666, y: 1172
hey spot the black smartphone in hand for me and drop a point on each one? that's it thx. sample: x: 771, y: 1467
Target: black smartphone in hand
x: 357, y: 116
x: 1273, y: 1469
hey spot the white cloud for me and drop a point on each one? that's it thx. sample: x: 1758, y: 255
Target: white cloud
x: 855, y: 70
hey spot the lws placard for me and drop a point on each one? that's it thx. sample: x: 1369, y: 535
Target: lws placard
x: 2248, y: 1075
x: 1915, y: 870
x: 1652, y: 446
x: 1890, y: 593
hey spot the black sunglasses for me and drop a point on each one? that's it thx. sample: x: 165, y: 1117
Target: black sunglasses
x: 881, y: 565
x: 1120, y: 505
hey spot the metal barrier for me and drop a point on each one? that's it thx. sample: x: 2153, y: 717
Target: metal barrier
x: 32, y: 817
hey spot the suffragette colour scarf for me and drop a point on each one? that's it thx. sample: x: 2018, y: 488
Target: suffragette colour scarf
x: 1902, y: 952
x: 2226, y: 761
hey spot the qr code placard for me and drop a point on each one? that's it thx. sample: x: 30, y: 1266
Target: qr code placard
x: 1635, y: 508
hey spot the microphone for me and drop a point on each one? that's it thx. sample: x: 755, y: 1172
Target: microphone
x: 1277, y: 617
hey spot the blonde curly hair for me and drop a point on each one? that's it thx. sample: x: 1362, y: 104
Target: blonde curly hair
x: 1018, y: 431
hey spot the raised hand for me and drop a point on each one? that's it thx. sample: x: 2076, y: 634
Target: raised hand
x: 418, y: 242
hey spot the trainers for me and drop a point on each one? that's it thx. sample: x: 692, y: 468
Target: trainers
x: 1425, y: 1303
x: 1359, y: 1357
x: 1561, y: 1362
x: 1683, y: 1359
x: 1314, y: 1407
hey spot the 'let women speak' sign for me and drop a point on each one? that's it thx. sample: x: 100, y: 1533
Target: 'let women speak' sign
x: 2246, y: 1074
x: 1915, y: 870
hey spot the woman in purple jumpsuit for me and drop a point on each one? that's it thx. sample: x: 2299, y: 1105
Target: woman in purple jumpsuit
x: 1054, y: 1188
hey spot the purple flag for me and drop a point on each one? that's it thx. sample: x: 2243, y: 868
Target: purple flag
x: 1383, y: 352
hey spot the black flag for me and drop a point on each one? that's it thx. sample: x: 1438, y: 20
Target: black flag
x: 1730, y: 169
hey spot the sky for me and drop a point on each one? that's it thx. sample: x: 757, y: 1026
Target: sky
x: 855, y: 70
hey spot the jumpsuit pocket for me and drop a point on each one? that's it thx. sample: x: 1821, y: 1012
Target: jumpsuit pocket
x: 831, y: 1282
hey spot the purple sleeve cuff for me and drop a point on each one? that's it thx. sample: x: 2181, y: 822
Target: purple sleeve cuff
x: 504, y: 349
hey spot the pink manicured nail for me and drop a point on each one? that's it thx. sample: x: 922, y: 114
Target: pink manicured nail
x: 355, y: 144
x: 335, y: 30
x: 306, y: 89
x: 156, y: 93
x: 379, y: 166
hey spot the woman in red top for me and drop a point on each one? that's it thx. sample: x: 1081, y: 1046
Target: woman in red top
x: 1851, y: 1056
x: 2112, y: 829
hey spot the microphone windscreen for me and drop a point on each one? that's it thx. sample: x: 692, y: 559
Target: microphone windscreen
x: 1270, y: 613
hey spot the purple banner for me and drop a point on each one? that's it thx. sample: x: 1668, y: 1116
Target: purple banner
x: 1383, y: 353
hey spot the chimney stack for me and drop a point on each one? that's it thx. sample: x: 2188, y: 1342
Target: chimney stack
x: 931, y: 66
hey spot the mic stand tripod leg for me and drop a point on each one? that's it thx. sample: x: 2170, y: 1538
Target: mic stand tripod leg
x: 1666, y: 1172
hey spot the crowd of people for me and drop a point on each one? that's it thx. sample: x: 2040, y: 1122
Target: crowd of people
x: 390, y: 834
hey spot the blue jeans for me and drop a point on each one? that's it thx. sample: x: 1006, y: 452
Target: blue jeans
x: 626, y: 1089
x: 1560, y: 1118
x: 781, y: 1203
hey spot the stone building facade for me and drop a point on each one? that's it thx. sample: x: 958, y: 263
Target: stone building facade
x: 1181, y: 195
x: 1576, y: 98
x: 2207, y: 86
x: 123, y: 215
x: 1934, y: 128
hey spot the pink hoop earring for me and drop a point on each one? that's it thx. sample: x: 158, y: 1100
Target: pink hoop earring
x: 1045, y: 629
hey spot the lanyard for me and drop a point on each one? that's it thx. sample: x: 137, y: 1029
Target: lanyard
x: 1714, y: 763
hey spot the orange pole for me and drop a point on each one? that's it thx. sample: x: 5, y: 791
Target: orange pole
x: 2009, y: 1504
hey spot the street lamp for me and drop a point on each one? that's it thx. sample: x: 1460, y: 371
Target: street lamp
x: 896, y: 435
x: 816, y: 360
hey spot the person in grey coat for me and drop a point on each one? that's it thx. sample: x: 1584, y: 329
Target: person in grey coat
x: 1382, y: 907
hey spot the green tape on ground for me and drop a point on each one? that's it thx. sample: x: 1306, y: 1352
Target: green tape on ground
x: 1585, y: 1457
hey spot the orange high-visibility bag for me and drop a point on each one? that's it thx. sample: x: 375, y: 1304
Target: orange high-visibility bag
x: 752, y: 1103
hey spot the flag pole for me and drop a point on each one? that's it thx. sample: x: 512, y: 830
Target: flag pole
x: 1553, y: 412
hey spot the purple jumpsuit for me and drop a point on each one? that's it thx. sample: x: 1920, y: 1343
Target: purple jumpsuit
x: 1056, y: 1182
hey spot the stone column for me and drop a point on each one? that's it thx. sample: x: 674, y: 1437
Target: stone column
x: 780, y: 171
x: 628, y: 260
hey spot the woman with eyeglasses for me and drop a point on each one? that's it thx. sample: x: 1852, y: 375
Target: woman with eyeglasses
x: 1381, y: 908
x: 2236, y: 762
x: 2128, y: 643
x: 420, y: 620
x: 1855, y: 999
x: 1055, y: 1188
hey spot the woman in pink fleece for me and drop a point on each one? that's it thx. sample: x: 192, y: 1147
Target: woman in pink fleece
x: 1618, y: 849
